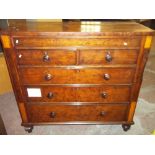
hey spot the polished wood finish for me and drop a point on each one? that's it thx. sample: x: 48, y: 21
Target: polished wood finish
x: 81, y: 94
x: 93, y: 94
x: 74, y: 29
x: 82, y: 77
x: 11, y: 61
x: 39, y: 113
x: 76, y: 76
x: 69, y: 57
x: 131, y: 111
x: 20, y: 43
x: 56, y: 57
x: 6, y: 41
x: 98, y: 57
x: 148, y: 42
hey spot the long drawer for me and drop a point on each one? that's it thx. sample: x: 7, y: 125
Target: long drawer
x: 104, y: 94
x: 68, y: 113
x: 41, y: 75
x: 59, y: 42
x: 71, y: 57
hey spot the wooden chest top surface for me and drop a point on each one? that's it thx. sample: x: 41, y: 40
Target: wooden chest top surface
x: 18, y: 27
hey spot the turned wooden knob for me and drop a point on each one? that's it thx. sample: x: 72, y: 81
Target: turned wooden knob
x: 53, y: 114
x: 102, y: 113
x: 106, y: 76
x: 50, y: 95
x: 46, y: 57
x: 104, y: 95
x: 48, y: 77
x: 108, y: 57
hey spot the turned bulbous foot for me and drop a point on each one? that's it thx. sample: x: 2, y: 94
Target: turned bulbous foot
x: 126, y: 127
x: 28, y: 129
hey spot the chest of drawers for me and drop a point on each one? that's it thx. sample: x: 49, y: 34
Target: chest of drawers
x: 65, y: 73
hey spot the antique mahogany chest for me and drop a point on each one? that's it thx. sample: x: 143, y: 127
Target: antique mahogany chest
x: 76, y: 72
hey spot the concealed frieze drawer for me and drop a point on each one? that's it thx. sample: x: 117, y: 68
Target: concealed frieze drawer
x: 59, y: 42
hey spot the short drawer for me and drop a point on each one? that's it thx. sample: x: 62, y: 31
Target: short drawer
x: 40, y: 75
x: 91, y: 42
x: 76, y: 113
x: 104, y: 94
x: 107, y: 57
x: 46, y: 57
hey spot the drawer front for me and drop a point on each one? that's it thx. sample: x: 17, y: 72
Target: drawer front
x: 107, y: 57
x: 40, y: 76
x: 68, y: 113
x: 46, y: 57
x: 76, y: 76
x: 106, y: 76
x: 68, y: 57
x: 51, y: 94
x: 52, y: 42
x: 80, y: 94
x: 104, y: 94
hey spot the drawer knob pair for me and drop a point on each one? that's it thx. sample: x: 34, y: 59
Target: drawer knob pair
x: 48, y: 77
x: 53, y: 114
x: 108, y: 57
x: 46, y: 57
